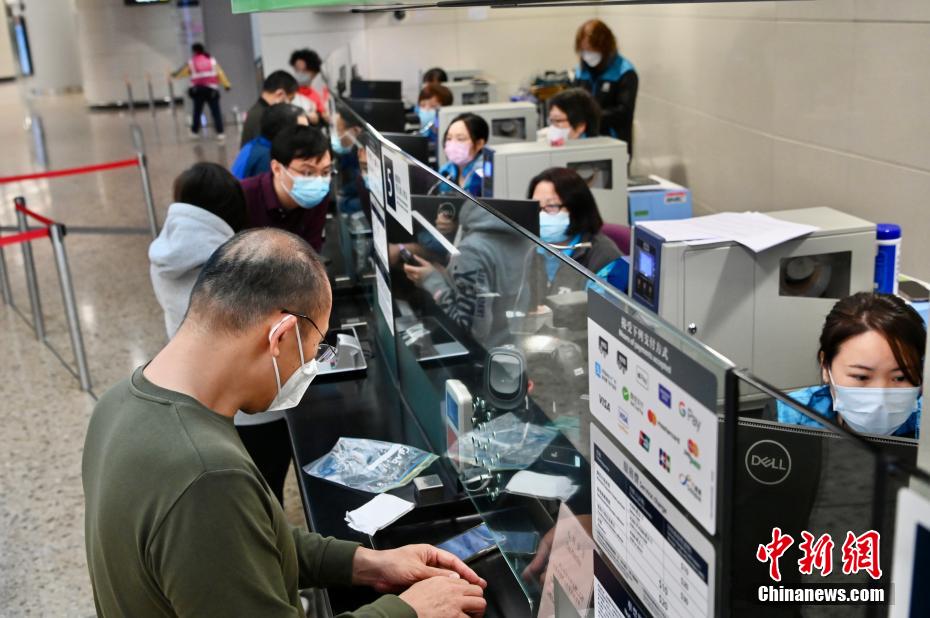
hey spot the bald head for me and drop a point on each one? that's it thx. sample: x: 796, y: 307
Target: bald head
x: 255, y: 274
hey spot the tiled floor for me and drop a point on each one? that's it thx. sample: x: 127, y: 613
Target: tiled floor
x: 43, y: 414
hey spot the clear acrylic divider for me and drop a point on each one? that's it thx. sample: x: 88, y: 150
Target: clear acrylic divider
x: 807, y: 487
x: 615, y: 459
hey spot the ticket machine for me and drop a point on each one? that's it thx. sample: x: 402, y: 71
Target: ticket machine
x: 763, y: 311
x: 601, y: 161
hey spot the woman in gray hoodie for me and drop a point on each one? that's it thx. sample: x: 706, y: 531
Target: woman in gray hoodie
x: 208, y: 209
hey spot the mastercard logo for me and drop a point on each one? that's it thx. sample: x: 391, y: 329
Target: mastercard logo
x: 693, y: 448
x: 652, y: 417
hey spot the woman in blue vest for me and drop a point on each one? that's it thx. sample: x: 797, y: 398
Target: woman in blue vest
x: 609, y: 77
x: 464, y: 143
x: 871, y: 360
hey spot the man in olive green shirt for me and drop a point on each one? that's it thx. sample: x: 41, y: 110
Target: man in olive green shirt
x: 179, y: 521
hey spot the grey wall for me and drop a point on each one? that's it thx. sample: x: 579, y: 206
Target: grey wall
x: 229, y: 38
x: 50, y: 24
x: 117, y: 42
x: 776, y: 105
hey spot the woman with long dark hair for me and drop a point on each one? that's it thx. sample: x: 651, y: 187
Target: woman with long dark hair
x: 871, y: 361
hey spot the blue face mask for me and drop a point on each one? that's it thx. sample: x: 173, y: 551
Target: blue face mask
x: 427, y: 117
x: 553, y: 228
x: 365, y: 180
x: 308, y: 192
x: 336, y: 143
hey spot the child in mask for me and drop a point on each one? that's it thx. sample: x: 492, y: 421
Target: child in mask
x: 871, y: 360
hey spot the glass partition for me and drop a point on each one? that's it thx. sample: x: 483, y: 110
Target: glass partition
x: 615, y: 460
x: 802, y: 477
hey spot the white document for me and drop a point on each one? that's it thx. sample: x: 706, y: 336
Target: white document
x: 547, y: 486
x: 755, y: 231
x: 571, y: 563
x: 380, y: 512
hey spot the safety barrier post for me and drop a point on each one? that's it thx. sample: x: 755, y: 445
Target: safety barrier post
x: 132, y: 105
x: 151, y: 92
x: 57, y: 232
x: 5, y: 280
x: 32, y: 281
x: 139, y: 143
x: 171, y: 101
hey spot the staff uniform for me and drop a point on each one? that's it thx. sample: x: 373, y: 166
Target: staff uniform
x: 614, y: 87
x: 206, y: 77
x: 820, y: 400
x: 473, y: 172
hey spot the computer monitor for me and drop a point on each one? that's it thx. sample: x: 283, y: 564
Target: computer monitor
x: 417, y: 146
x: 524, y: 213
x: 802, y: 478
x: 374, y: 89
x: 382, y: 114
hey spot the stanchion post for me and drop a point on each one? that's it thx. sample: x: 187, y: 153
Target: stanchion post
x: 147, y: 192
x: 5, y: 280
x: 67, y: 296
x: 132, y: 105
x: 171, y: 101
x: 151, y: 92
x: 138, y: 142
x: 32, y: 280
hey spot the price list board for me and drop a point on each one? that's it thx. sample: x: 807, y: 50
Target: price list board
x: 666, y: 561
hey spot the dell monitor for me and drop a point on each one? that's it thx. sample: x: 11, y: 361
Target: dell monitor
x: 382, y: 114
x: 371, y: 89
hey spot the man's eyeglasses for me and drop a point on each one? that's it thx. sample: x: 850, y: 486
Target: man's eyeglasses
x: 325, y: 353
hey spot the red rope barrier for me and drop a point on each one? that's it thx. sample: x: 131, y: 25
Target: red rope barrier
x: 35, y: 215
x: 23, y: 237
x: 71, y: 171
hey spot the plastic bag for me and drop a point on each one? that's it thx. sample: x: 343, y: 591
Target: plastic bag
x: 504, y: 443
x: 370, y: 465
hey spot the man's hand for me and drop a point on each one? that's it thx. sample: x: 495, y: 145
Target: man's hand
x: 445, y: 597
x: 417, y: 274
x: 396, y: 569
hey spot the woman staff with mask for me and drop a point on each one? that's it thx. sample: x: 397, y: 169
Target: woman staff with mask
x: 464, y: 143
x: 871, y: 359
x: 609, y: 77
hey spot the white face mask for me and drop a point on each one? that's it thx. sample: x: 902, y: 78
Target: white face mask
x: 874, y: 410
x: 592, y: 58
x: 557, y: 136
x: 292, y: 391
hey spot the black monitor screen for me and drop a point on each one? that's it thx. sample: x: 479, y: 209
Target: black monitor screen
x: 371, y: 89
x: 524, y: 213
x: 382, y: 114
x: 417, y: 146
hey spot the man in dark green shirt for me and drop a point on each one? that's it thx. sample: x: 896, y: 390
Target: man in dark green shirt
x: 179, y: 521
